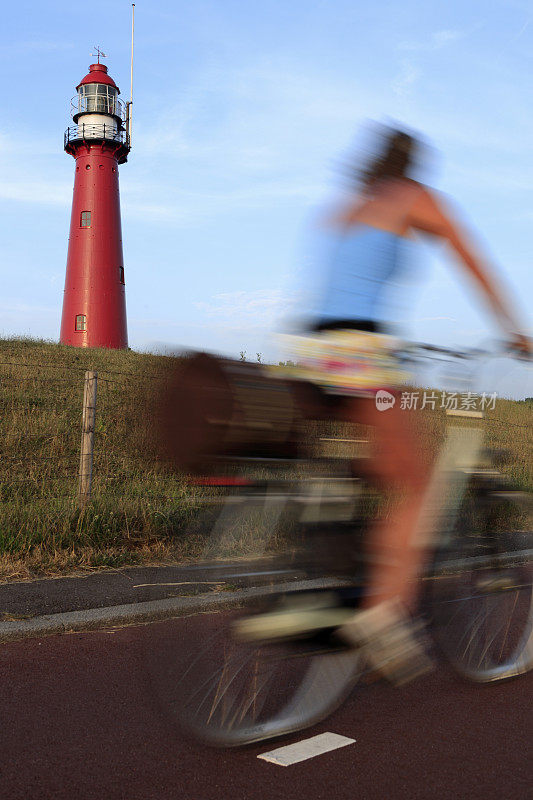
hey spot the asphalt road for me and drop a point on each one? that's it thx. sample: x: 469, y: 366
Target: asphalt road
x: 26, y: 599
x: 80, y: 721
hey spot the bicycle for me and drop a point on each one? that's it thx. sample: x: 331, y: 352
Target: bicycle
x: 478, y: 593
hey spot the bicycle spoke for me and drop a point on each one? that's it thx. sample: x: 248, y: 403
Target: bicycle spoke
x: 213, y: 677
x: 473, y: 630
x: 508, y: 624
x: 486, y: 649
x: 252, y: 701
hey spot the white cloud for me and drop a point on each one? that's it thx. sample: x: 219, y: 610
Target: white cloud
x: 27, y: 177
x: 16, y: 307
x: 184, y: 208
x: 179, y: 215
x: 257, y: 309
x: 405, y: 80
x: 28, y: 190
x: 29, y: 319
x: 409, y: 69
x: 437, y: 41
x: 265, y: 116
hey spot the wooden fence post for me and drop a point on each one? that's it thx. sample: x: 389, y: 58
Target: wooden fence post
x: 87, y: 438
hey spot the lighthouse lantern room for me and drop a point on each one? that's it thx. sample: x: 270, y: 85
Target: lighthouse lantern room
x: 94, y: 303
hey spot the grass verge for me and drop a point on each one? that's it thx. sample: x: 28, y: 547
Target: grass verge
x: 141, y: 513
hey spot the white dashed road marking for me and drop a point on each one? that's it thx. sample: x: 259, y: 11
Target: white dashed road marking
x: 307, y: 748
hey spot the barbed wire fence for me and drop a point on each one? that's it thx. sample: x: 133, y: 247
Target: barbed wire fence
x: 63, y: 428
x: 89, y: 443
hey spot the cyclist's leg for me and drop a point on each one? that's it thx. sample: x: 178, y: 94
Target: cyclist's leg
x: 383, y: 627
x: 394, y: 555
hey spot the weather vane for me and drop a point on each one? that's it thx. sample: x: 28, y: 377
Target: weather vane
x: 99, y: 53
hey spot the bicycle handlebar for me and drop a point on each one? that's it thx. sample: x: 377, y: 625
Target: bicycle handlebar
x: 422, y: 348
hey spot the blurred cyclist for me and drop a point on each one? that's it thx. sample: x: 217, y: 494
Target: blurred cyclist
x: 349, y: 352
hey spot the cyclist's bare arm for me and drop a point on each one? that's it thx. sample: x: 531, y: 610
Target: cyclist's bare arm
x: 427, y: 214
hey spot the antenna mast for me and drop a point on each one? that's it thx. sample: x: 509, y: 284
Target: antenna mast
x: 130, y: 103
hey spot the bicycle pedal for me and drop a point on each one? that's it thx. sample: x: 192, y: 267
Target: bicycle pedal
x: 290, y: 623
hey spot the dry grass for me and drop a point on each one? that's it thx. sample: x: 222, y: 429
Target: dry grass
x: 141, y: 512
x: 138, y: 504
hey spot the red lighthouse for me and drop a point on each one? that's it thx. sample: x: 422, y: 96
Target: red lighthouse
x: 94, y: 303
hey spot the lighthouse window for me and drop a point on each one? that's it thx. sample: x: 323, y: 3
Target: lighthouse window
x: 121, y: 274
x: 81, y: 322
x: 97, y: 97
x: 85, y: 219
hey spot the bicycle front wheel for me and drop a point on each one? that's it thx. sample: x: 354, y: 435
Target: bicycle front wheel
x: 483, y: 594
x: 226, y: 691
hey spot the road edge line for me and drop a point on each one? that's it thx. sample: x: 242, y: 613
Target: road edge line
x: 131, y: 613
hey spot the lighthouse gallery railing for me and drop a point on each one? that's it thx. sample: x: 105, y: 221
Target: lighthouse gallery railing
x: 87, y: 132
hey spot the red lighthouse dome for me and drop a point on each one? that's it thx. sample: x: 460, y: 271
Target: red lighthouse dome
x: 98, y: 74
x: 94, y: 303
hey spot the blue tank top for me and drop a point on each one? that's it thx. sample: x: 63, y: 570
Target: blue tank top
x: 363, y: 263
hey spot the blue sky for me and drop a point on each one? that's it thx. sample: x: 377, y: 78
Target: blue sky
x: 242, y: 113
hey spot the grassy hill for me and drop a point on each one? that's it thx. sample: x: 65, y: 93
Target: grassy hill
x: 137, y: 505
x: 140, y: 510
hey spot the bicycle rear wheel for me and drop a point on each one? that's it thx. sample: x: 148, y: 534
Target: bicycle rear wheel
x: 482, y: 596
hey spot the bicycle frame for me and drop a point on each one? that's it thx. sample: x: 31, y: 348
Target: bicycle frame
x: 471, y: 613
x: 457, y: 460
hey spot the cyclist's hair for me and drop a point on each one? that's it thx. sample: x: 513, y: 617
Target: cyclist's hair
x: 397, y: 158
